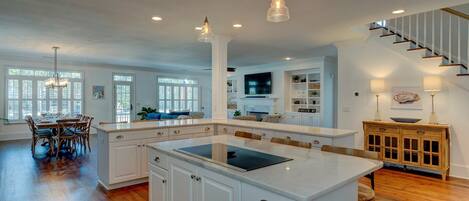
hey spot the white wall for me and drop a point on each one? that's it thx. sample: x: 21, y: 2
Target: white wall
x: 145, y: 89
x: 360, y: 61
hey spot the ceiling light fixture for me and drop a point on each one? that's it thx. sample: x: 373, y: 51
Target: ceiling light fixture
x: 198, y: 28
x: 156, y: 18
x: 55, y: 81
x: 400, y: 11
x: 237, y: 25
x: 206, y: 32
x: 278, y: 11
x: 288, y: 58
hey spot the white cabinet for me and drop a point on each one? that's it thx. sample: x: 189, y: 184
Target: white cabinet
x: 252, y: 193
x: 124, y: 159
x: 158, y: 184
x: 187, y: 182
x: 304, y: 119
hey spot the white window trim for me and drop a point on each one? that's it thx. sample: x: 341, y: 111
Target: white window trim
x: 34, y: 99
x: 158, y: 84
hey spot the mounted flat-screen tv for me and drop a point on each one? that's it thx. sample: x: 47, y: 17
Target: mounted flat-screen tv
x: 258, y: 84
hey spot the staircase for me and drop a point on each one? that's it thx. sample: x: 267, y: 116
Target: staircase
x: 439, y: 37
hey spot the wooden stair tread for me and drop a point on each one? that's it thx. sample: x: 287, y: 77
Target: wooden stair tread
x: 374, y: 28
x: 431, y: 57
x: 450, y: 65
x: 415, y: 49
x: 404, y: 41
x: 389, y: 34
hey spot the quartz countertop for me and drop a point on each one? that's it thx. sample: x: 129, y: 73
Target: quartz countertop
x: 147, y: 125
x: 311, y: 174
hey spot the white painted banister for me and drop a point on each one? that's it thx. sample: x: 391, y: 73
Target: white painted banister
x: 443, y: 32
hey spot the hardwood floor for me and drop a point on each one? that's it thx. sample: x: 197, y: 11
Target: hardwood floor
x: 23, y: 178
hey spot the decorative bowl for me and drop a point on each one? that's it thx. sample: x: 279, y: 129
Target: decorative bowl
x: 405, y: 120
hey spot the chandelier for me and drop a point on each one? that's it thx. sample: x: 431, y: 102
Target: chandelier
x: 206, y: 32
x: 55, y: 81
x: 278, y: 11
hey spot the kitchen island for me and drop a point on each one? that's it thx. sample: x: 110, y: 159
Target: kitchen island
x: 122, y: 152
x: 310, y: 174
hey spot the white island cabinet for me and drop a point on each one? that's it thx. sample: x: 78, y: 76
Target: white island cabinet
x: 122, y: 152
x: 312, y: 175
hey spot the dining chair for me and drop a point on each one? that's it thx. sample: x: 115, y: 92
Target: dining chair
x: 84, y: 132
x: 365, y: 193
x: 66, y: 135
x: 39, y: 134
x: 288, y: 141
x: 248, y: 135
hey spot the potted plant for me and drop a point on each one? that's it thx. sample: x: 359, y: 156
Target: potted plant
x: 145, y: 111
x: 237, y: 113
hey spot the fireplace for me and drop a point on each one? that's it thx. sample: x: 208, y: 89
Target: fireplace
x: 259, y: 115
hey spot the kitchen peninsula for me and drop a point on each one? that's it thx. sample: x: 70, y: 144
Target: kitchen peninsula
x: 122, y: 147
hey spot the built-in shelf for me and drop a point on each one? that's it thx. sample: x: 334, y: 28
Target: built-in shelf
x: 305, y: 91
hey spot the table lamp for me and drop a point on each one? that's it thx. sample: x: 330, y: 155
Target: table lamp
x: 432, y: 84
x: 377, y: 87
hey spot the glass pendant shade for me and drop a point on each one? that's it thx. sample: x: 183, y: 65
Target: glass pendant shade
x: 55, y: 81
x: 278, y: 11
x: 206, y: 32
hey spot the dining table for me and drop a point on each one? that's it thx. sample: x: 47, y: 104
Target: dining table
x: 54, y: 122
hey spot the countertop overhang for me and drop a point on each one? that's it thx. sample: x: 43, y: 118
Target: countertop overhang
x: 148, y: 125
x: 310, y: 175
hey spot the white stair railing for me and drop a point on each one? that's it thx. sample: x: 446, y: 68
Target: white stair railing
x: 442, y: 32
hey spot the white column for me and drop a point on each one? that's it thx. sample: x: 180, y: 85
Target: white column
x: 219, y: 73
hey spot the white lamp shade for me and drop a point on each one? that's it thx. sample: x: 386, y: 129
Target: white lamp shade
x: 377, y: 86
x: 432, y: 83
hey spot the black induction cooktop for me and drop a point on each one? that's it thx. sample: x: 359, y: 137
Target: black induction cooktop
x: 232, y: 156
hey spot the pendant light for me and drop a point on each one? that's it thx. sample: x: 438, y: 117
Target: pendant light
x: 55, y: 81
x: 206, y: 32
x: 278, y: 11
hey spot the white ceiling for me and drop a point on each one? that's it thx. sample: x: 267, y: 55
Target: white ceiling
x: 121, y: 32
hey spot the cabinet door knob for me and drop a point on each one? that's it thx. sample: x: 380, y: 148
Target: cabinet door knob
x: 157, y: 159
x: 192, y: 176
x: 139, y: 145
x: 198, y: 179
x: 164, y: 181
x: 119, y: 137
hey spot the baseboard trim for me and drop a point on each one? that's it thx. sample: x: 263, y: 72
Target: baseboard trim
x: 122, y: 184
x: 459, y: 171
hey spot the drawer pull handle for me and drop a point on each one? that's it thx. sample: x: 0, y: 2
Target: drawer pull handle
x: 316, y: 142
x: 207, y: 129
x: 160, y: 133
x: 164, y: 181
x: 157, y: 159
x: 119, y: 137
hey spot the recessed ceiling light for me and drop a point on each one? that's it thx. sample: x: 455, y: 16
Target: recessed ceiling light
x: 237, y: 25
x: 156, y: 18
x: 400, y: 11
x: 288, y: 58
x: 198, y: 28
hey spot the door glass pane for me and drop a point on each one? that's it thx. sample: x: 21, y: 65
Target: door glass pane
x: 176, y: 106
x: 435, y: 160
x: 406, y: 143
x: 387, y: 153
x: 168, y: 106
x: 168, y: 92
x: 196, y: 93
x: 394, y: 154
x: 189, y: 92
x: 66, y: 93
x: 13, y: 89
x: 371, y: 139
x: 53, y: 93
x: 123, y: 103
x: 183, y: 93
x: 394, y: 142
x: 426, y: 158
x: 435, y: 147
x: 378, y: 140
x: 161, y: 92
x: 176, y: 92
x: 13, y: 109
x: 196, y: 106
x: 415, y: 144
x: 27, y: 89
x: 387, y: 141
x: 415, y: 157
x: 161, y: 106
x: 426, y: 145
x: 406, y: 156
x: 189, y: 105
x: 27, y: 108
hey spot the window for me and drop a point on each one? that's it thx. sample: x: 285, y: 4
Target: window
x: 123, y: 97
x: 28, y: 95
x: 178, y: 95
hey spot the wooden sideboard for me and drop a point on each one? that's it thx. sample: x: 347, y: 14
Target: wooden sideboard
x: 423, y: 146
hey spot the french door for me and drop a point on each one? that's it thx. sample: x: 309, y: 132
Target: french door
x: 123, y: 97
